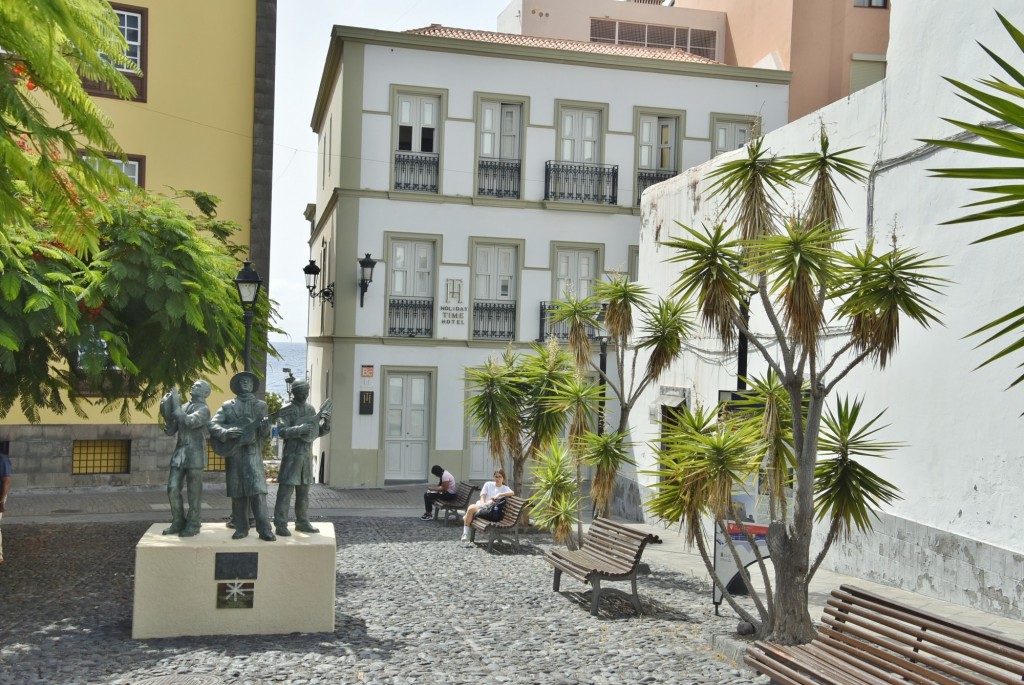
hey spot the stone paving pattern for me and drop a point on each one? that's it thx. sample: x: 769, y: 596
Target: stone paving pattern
x: 413, y: 605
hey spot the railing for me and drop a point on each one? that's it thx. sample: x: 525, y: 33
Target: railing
x: 494, y: 320
x: 597, y: 183
x: 411, y: 318
x: 646, y: 179
x: 560, y: 329
x: 498, y: 178
x: 416, y: 171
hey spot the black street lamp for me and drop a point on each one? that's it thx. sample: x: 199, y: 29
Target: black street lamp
x: 288, y: 380
x: 312, y: 271
x: 248, y: 283
x: 366, y: 265
x: 602, y: 361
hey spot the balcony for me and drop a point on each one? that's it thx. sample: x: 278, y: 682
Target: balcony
x: 571, y: 182
x: 411, y: 318
x: 560, y: 329
x: 494, y: 320
x: 498, y: 178
x: 416, y: 171
x: 646, y: 179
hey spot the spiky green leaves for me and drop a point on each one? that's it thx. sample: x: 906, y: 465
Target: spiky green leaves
x: 847, y: 494
x: 555, y: 500
x: 712, y: 272
x: 752, y: 187
x: 880, y: 289
x: 1005, y: 102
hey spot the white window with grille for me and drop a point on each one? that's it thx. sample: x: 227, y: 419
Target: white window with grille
x: 580, y: 136
x: 702, y: 42
x: 499, y: 130
x: 730, y: 134
x: 412, y: 268
x: 575, y: 272
x: 130, y: 25
x: 418, y: 117
x: 657, y: 143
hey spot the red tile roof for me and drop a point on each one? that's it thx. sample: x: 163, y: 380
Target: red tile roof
x: 669, y: 54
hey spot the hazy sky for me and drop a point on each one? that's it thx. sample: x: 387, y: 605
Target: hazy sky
x: 303, y: 35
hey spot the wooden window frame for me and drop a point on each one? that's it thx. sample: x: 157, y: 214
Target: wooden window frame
x: 101, y: 90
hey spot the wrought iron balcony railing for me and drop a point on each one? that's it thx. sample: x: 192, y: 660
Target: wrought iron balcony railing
x: 494, y: 320
x: 416, y: 171
x: 560, y: 329
x: 646, y: 179
x: 595, y: 183
x: 498, y: 178
x: 411, y: 318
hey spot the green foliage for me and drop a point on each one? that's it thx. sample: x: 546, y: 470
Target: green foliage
x: 555, y: 499
x: 605, y: 454
x: 1004, y: 192
x: 46, y: 48
x: 154, y: 307
x: 797, y: 269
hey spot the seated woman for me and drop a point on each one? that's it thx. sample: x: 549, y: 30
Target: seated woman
x: 445, y: 489
x: 492, y: 490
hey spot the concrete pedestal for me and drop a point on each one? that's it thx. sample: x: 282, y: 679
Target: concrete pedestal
x: 210, y: 584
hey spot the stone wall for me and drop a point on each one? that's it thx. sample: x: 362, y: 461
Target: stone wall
x: 934, y: 563
x: 42, y: 455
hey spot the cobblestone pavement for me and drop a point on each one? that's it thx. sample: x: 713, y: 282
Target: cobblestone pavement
x: 413, y: 606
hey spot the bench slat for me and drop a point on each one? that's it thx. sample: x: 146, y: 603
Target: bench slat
x: 867, y: 638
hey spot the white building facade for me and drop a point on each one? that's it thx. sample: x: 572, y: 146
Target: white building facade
x: 486, y: 174
x: 956, y: 534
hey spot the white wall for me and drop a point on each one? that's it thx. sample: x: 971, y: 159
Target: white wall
x: 960, y: 472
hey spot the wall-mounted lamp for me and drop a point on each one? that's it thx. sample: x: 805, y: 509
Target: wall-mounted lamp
x: 366, y: 265
x: 312, y: 271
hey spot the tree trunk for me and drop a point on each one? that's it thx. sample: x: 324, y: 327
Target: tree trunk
x: 791, y: 623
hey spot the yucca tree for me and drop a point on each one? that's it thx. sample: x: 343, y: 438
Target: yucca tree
x: 555, y: 500
x: 512, y: 401
x: 634, y: 323
x: 706, y: 456
x: 605, y: 453
x: 1004, y: 190
x: 793, y: 267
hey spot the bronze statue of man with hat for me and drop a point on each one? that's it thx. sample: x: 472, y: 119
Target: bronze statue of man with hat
x: 238, y: 431
x: 298, y: 425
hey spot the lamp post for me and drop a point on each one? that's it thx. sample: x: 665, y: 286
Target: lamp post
x: 602, y: 362
x: 248, y: 283
x: 288, y: 380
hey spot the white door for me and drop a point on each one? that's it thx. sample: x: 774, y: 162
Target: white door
x: 407, y: 429
x: 576, y: 271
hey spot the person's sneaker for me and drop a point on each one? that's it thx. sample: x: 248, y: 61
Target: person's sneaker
x: 426, y: 517
x: 465, y: 538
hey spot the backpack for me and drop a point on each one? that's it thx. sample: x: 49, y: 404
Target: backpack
x: 493, y: 511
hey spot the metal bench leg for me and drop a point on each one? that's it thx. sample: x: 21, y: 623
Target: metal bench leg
x: 490, y: 540
x: 596, y: 594
x: 558, y: 578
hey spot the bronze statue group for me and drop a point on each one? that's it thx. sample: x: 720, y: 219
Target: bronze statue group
x: 237, y: 432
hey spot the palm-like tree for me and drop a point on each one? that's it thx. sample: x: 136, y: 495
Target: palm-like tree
x: 805, y: 285
x: 635, y: 324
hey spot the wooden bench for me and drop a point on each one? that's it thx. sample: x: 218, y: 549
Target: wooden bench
x: 611, y: 552
x: 498, y: 530
x: 463, y: 498
x: 865, y: 638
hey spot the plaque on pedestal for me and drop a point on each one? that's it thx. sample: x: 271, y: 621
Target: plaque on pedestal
x: 212, y: 585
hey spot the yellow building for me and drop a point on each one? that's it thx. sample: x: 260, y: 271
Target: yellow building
x: 203, y: 119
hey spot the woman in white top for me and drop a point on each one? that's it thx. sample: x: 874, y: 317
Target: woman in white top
x: 492, y: 490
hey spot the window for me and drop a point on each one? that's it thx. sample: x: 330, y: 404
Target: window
x: 656, y: 151
x: 633, y: 264
x: 881, y: 4
x: 214, y: 461
x: 865, y: 70
x: 579, y: 136
x: 729, y: 133
x: 702, y: 42
x: 495, y: 271
x: 575, y: 272
x: 133, y: 23
x: 417, y: 123
x: 133, y: 166
x: 500, y: 132
x: 411, y: 288
x: 100, y: 456
x: 417, y: 142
